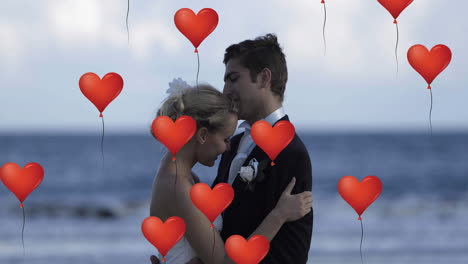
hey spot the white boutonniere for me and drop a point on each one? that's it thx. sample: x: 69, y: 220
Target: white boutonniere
x: 177, y: 86
x: 249, y: 172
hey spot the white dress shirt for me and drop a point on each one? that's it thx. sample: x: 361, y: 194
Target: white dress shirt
x: 246, y: 144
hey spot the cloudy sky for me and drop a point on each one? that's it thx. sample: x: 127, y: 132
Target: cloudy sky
x: 46, y: 45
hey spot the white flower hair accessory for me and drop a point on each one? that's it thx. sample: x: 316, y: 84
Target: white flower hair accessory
x: 177, y: 86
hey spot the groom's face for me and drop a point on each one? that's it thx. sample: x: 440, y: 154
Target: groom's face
x: 239, y: 85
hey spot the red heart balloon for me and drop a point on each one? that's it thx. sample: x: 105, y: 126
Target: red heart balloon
x: 19, y: 181
x: 101, y: 92
x: 429, y: 63
x: 211, y: 202
x: 174, y: 135
x: 395, y: 7
x: 196, y: 27
x: 243, y: 252
x: 165, y: 235
x: 359, y: 194
x: 272, y: 140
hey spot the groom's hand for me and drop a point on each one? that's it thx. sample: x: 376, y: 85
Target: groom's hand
x: 155, y: 260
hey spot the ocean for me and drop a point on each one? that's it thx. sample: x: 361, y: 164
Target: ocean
x: 84, y: 213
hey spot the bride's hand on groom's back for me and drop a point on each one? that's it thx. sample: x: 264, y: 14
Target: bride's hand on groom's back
x: 292, y: 207
x: 155, y: 260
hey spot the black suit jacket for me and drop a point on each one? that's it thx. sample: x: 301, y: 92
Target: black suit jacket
x: 249, y: 208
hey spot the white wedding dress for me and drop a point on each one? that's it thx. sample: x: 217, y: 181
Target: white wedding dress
x: 182, y: 252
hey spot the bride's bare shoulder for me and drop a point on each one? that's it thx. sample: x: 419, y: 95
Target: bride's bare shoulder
x: 168, y: 182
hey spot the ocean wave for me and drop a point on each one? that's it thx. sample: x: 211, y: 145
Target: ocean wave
x: 100, y: 207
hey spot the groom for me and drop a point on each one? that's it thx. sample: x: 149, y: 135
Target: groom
x: 256, y: 76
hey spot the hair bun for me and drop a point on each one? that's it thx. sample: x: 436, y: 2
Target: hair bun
x: 206, y: 105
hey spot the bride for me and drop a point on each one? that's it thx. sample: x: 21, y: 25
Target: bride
x: 216, y: 118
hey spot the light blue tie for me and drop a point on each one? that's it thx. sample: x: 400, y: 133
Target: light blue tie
x: 242, y: 154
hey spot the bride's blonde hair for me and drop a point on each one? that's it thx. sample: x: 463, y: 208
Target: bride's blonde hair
x: 205, y: 104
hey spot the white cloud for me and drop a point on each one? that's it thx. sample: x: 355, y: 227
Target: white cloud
x: 12, y: 48
x: 76, y: 20
x: 96, y: 23
x: 150, y: 39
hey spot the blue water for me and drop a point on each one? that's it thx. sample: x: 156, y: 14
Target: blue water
x: 82, y: 213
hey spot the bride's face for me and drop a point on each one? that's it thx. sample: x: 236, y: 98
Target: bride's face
x: 217, y: 142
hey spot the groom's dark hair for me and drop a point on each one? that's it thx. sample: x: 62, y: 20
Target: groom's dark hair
x: 262, y: 52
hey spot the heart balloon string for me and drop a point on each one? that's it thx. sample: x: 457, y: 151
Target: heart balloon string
x: 324, y: 22
x: 362, y: 236
x: 102, y: 147
x: 396, y: 48
x: 126, y: 22
x: 175, y: 183
x: 395, y: 7
x: 214, y: 242
x: 430, y: 114
x: 198, y: 67
x: 22, y: 231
